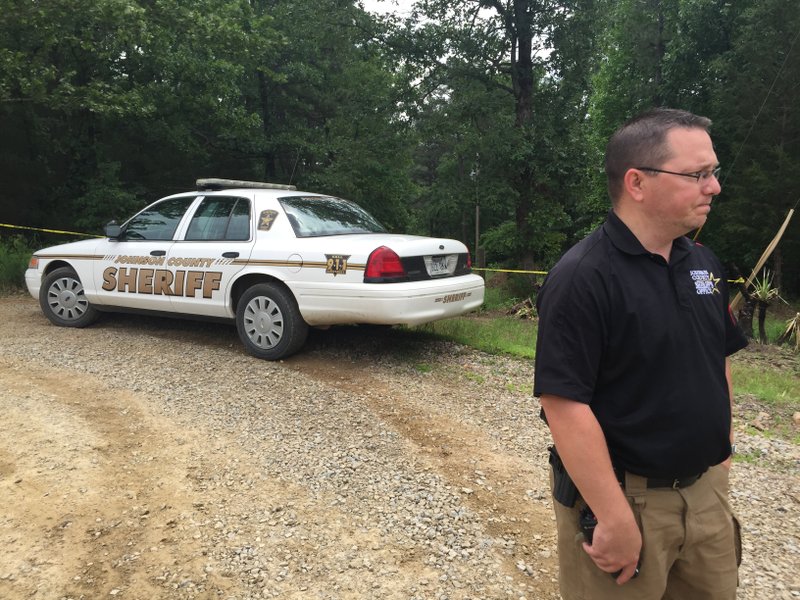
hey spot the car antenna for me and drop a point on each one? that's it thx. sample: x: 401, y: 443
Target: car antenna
x: 291, y: 178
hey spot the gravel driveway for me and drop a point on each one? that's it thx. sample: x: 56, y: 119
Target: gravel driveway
x: 149, y: 458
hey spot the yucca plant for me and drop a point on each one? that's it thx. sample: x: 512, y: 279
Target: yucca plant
x: 764, y: 294
x: 762, y: 288
x: 792, y: 330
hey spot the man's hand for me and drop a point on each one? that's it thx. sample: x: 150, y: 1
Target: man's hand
x: 616, y: 547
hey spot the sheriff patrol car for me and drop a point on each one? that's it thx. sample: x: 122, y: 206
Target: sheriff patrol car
x: 273, y: 259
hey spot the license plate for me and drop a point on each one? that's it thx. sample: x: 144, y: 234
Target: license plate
x: 438, y: 266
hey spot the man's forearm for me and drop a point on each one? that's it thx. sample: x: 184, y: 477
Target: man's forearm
x: 617, y: 542
x: 729, y: 379
x: 582, y: 446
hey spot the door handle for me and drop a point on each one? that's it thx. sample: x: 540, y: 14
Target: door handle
x: 230, y: 255
x: 158, y: 252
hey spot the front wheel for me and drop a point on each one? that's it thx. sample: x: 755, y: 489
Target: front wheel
x: 63, y: 301
x: 269, y: 322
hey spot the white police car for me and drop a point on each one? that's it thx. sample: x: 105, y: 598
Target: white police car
x: 274, y: 259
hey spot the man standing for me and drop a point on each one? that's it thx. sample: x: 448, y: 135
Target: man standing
x: 634, y: 380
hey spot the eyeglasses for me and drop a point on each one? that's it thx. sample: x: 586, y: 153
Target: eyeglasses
x: 697, y: 175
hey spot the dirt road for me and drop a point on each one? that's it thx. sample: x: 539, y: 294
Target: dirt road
x: 147, y: 458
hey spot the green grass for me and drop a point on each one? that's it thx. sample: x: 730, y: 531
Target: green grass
x: 780, y: 387
x: 774, y: 327
x: 774, y: 324
x: 753, y: 457
x: 495, y: 335
x: 479, y: 379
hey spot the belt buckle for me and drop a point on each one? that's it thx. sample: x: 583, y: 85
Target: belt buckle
x: 676, y: 483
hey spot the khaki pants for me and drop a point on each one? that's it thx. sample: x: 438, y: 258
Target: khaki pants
x: 690, y: 548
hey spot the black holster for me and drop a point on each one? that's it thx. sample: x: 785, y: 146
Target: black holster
x: 564, y: 489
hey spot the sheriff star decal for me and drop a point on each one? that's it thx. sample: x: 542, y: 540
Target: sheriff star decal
x: 266, y: 219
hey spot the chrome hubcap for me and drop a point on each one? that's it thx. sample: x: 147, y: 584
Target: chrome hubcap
x: 263, y: 322
x: 66, y: 300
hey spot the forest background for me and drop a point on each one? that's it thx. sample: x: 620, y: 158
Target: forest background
x: 456, y: 118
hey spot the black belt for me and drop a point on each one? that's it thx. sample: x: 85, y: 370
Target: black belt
x: 674, y: 483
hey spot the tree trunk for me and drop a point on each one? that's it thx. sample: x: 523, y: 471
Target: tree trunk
x: 523, y: 210
x: 268, y: 158
x: 762, y: 317
x: 660, y: 48
x: 745, y: 316
x: 519, y: 26
x: 521, y: 33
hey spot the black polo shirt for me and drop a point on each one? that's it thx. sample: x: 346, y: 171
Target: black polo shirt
x: 643, y: 342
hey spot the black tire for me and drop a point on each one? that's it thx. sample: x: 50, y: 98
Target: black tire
x: 269, y: 322
x: 63, y: 302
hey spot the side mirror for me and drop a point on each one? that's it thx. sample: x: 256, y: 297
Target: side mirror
x: 112, y: 230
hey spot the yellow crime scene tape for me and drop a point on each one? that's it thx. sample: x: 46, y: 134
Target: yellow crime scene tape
x: 521, y: 271
x: 9, y: 226
x: 511, y: 271
x: 739, y: 280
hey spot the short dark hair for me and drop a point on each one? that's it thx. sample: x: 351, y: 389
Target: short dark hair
x: 643, y: 141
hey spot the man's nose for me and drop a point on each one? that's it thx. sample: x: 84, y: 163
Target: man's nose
x: 712, y: 186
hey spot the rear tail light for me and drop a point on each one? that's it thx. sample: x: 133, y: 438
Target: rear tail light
x: 469, y: 261
x: 383, y: 266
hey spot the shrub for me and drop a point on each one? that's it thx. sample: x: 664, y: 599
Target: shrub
x: 14, y: 256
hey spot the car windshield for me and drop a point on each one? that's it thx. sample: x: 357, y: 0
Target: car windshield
x: 313, y: 216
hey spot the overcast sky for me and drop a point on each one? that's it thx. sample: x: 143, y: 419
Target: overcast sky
x: 401, y: 7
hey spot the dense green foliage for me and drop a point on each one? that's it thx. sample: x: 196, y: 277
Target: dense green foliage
x: 14, y: 257
x: 493, y: 111
x: 108, y: 104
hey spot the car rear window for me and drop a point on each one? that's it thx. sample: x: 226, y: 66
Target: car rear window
x: 313, y: 216
x: 221, y: 218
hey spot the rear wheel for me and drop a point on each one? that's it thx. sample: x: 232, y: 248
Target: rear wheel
x: 269, y: 322
x: 63, y: 301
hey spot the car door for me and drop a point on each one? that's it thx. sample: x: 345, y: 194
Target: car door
x: 214, y: 247
x: 132, y: 272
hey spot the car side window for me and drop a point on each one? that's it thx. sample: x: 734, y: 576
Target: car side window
x: 220, y: 218
x: 158, y: 222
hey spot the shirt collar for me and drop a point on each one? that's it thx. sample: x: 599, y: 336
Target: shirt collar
x: 625, y: 241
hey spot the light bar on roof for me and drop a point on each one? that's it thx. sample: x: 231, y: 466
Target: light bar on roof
x: 225, y: 184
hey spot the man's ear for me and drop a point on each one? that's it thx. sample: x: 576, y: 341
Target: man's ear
x: 635, y: 183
